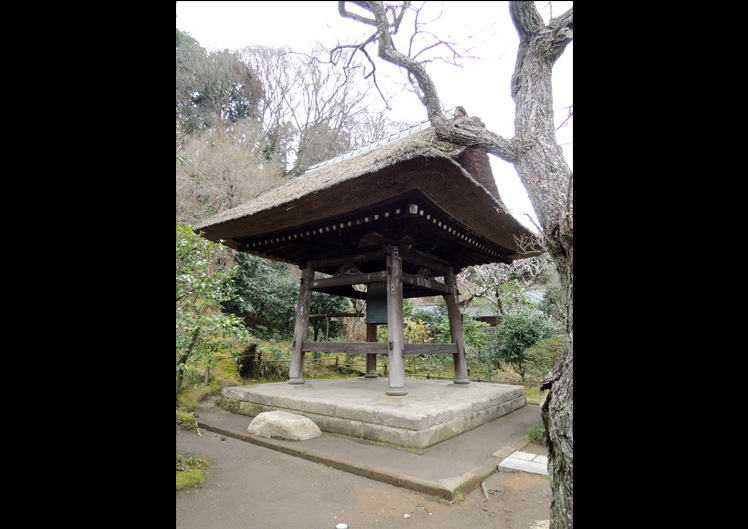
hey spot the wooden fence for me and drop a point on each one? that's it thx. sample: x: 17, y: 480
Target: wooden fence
x: 410, y: 371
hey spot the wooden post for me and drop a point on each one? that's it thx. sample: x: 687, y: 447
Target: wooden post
x: 455, y: 329
x: 296, y: 372
x: 395, y: 330
x: 371, y: 360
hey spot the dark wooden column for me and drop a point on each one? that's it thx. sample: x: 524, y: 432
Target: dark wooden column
x: 371, y: 359
x: 296, y: 374
x: 455, y: 329
x: 395, y: 331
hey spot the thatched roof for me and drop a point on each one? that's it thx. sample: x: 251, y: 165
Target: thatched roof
x: 451, y: 182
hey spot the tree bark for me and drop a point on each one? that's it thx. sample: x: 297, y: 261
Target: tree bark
x: 549, y: 183
x: 540, y: 164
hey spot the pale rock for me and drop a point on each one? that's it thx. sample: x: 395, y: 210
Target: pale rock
x: 283, y: 425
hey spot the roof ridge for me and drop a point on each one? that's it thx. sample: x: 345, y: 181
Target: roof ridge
x: 382, y: 141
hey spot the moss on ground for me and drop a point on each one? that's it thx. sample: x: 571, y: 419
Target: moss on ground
x: 189, y: 473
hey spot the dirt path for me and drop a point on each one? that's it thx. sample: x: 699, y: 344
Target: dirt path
x: 252, y: 487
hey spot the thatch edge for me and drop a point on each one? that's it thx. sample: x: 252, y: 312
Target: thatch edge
x: 418, y: 144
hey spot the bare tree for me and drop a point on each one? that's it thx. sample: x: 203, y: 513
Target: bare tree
x: 213, y: 87
x: 246, y: 120
x: 540, y: 164
x: 220, y: 168
x: 311, y: 110
x: 504, y: 285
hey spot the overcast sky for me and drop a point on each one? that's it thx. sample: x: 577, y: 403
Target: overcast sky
x: 481, y: 86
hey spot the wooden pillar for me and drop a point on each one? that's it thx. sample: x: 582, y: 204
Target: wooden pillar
x: 395, y: 331
x: 296, y: 374
x: 455, y: 329
x: 371, y: 360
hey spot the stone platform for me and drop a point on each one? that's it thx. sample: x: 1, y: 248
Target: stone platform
x: 433, y: 411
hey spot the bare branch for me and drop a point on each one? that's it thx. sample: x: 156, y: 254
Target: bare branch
x: 467, y: 131
x: 450, y: 44
x: 562, y: 29
x: 526, y: 18
x: 345, y: 14
x: 389, y: 53
x: 531, y: 243
x: 528, y: 22
x: 570, y: 109
x: 372, y: 73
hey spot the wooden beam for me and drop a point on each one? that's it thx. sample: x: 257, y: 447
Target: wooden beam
x: 395, y: 328
x: 371, y: 360
x: 363, y: 255
x: 430, y: 348
x: 371, y: 348
x: 431, y: 284
x: 296, y: 371
x: 376, y: 348
x: 456, y: 331
x: 339, y: 315
x: 346, y: 292
x: 437, y: 266
x: 357, y: 279
x: 411, y: 292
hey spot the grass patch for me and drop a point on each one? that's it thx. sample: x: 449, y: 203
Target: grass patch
x: 186, y: 420
x: 535, y: 434
x: 533, y: 395
x: 191, y: 479
x: 189, y: 473
x: 194, y: 389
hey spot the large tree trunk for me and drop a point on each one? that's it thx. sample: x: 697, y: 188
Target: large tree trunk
x: 540, y: 164
x: 558, y: 414
x: 549, y: 183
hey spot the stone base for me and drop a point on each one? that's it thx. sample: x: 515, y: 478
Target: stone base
x: 391, y: 400
x: 359, y: 408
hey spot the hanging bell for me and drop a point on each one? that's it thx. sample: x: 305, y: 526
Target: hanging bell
x: 376, y: 303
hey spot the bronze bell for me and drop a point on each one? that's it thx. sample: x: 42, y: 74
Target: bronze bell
x: 376, y: 303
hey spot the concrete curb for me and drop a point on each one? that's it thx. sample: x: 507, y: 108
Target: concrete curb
x: 450, y: 490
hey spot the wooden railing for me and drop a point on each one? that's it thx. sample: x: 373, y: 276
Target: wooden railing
x: 377, y: 348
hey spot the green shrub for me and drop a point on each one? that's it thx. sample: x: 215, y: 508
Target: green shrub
x: 187, y: 420
x: 535, y: 434
x: 542, y: 356
x: 275, y: 357
x: 265, y: 292
x: 202, y: 330
x: 521, y: 329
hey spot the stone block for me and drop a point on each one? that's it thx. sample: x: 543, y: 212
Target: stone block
x: 251, y: 409
x: 318, y: 407
x: 391, y: 400
x: 343, y: 426
x: 396, y: 417
x: 354, y: 412
x: 432, y: 435
x: 319, y: 420
x: 525, y: 462
x: 385, y: 434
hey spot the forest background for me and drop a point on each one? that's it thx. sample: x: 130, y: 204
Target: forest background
x: 248, y: 120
